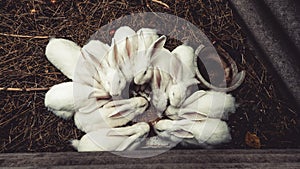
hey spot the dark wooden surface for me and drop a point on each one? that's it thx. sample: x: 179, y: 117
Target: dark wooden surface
x: 271, y: 27
x: 171, y: 159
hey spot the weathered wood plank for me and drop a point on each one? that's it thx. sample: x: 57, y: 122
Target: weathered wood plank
x: 271, y: 43
x: 170, y: 159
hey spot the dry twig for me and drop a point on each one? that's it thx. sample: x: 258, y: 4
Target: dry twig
x: 25, y: 36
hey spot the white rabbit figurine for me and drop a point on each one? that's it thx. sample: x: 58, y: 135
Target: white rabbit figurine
x: 183, y: 75
x: 66, y: 98
x: 142, y: 61
x: 163, y: 62
x: 63, y: 54
x: 113, y: 114
x: 206, y: 133
x: 203, y: 104
x: 107, y: 67
x: 113, y: 139
x: 159, y: 86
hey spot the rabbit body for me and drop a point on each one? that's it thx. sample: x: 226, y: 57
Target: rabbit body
x: 60, y: 100
x: 63, y: 54
x: 112, y: 114
x: 206, y: 133
x: 66, y: 98
x: 113, y: 139
x: 203, y: 104
x: 183, y: 75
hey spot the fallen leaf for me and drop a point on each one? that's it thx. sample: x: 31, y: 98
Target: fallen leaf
x: 252, y: 140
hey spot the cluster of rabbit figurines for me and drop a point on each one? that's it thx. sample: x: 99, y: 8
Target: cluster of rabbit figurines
x: 101, y: 74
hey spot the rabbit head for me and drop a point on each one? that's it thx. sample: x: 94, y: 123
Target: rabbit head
x: 114, y: 82
x: 142, y: 61
x: 159, y: 100
x: 178, y: 91
x: 159, y: 85
x: 111, y: 76
x: 127, y: 46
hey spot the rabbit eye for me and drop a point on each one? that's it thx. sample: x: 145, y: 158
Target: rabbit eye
x: 119, y: 81
x: 145, y: 72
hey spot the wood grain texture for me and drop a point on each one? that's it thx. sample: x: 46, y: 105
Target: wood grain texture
x: 173, y: 158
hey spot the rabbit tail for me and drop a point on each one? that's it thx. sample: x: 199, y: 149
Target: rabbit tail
x: 75, y: 143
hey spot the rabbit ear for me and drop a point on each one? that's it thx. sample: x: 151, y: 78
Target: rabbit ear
x: 127, y: 142
x: 191, y: 81
x: 157, y: 78
x: 176, y: 69
x: 113, y: 54
x: 90, y: 58
x: 121, y: 112
x: 141, y: 41
x: 131, y: 49
x: 133, y: 131
x: 192, y: 114
x: 116, y: 103
x: 96, y: 48
x: 96, y: 51
x: 123, y: 32
x: 194, y: 97
x: 182, y: 134
x: 156, y: 45
x: 122, y: 131
x: 99, y: 94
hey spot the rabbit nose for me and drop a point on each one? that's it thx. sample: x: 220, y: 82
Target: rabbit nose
x: 114, y: 94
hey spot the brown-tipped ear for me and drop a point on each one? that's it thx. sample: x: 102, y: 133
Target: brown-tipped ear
x: 157, y: 78
x: 113, y: 55
x: 160, y: 42
x: 128, y: 47
x: 156, y: 45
